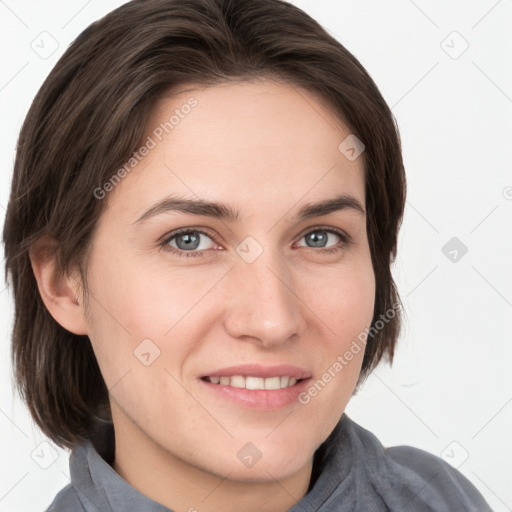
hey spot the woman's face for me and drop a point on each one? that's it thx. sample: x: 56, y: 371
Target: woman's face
x: 265, y: 287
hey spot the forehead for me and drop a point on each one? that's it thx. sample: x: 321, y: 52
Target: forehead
x: 253, y: 144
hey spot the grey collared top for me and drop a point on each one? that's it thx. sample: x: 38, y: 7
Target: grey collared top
x: 352, y: 471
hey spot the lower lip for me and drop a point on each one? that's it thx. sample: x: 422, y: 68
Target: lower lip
x: 259, y: 399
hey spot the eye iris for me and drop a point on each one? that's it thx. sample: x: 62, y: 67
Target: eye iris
x: 318, y: 241
x: 191, y: 240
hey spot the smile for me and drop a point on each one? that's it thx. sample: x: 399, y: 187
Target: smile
x: 250, y: 382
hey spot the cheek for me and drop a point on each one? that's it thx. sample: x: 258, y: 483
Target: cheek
x: 355, y: 304
x: 172, y: 305
x: 345, y: 309
x: 343, y: 298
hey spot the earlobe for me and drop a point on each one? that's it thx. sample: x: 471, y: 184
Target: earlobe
x: 58, y: 292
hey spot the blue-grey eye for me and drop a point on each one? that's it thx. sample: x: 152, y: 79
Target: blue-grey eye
x: 319, y: 238
x: 316, y: 239
x: 189, y: 241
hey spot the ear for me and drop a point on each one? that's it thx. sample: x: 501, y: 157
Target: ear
x: 59, y: 293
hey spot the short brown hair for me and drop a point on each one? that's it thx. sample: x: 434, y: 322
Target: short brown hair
x: 90, y: 115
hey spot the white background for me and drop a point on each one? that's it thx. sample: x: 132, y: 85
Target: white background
x: 450, y: 389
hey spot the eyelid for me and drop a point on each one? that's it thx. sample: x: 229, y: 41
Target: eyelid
x: 188, y: 229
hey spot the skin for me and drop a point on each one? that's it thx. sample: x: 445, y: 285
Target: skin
x: 266, y: 149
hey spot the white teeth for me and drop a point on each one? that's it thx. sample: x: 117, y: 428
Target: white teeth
x: 253, y: 382
x: 239, y: 381
x: 273, y: 383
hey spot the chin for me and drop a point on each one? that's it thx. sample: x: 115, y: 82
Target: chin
x: 261, y: 461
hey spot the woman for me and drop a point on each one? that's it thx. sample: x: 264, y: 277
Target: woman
x: 204, y: 210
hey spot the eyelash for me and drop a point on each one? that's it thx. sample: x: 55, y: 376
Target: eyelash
x: 345, y: 241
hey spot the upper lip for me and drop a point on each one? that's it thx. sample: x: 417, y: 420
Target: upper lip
x: 257, y: 370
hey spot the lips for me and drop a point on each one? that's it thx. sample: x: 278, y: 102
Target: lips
x: 258, y: 387
x: 246, y: 392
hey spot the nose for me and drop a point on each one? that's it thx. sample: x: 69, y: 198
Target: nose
x: 264, y: 306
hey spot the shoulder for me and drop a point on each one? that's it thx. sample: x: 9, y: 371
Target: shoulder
x: 449, y: 483
x: 419, y: 478
x: 66, y: 501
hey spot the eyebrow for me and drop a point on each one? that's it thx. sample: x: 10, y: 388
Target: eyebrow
x: 226, y: 212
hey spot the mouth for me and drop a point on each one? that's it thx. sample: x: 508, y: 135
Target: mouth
x: 256, y: 387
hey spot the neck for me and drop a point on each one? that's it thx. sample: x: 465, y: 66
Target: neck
x: 182, y: 487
